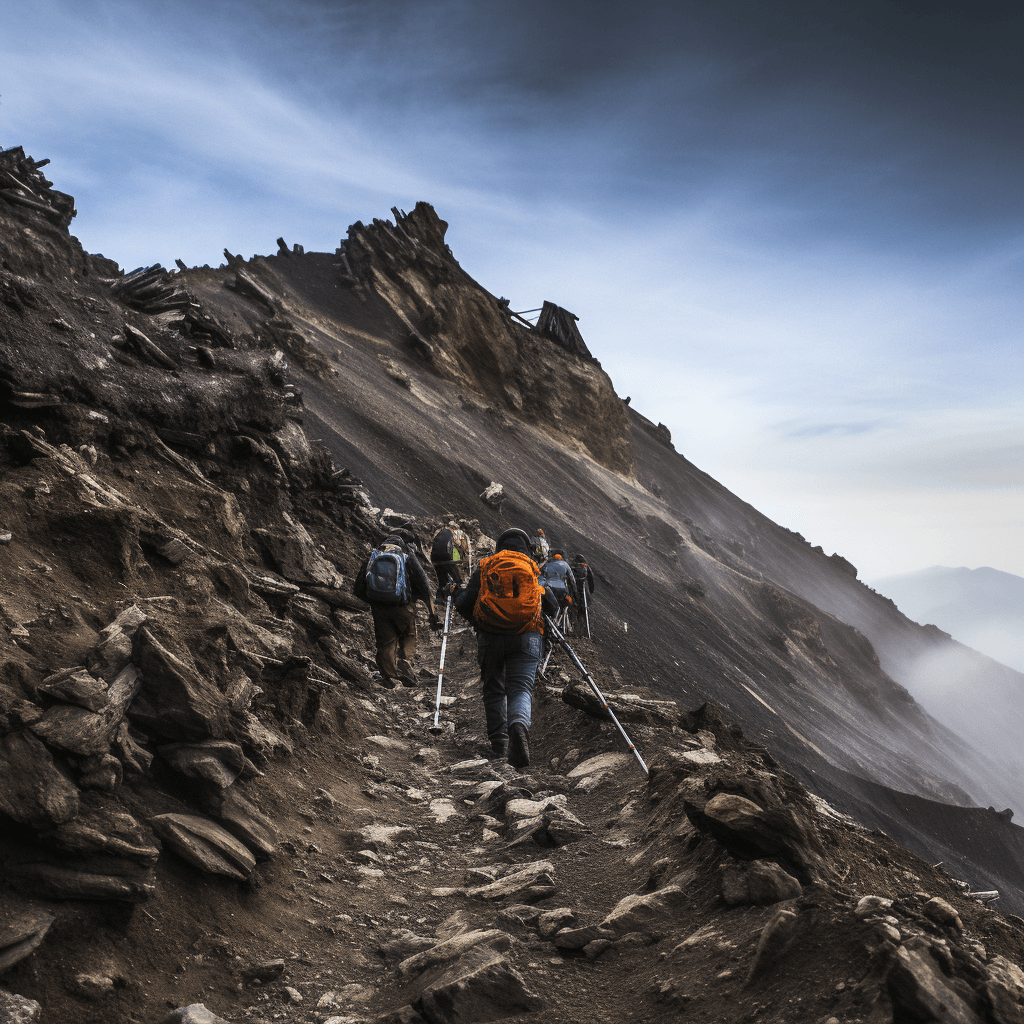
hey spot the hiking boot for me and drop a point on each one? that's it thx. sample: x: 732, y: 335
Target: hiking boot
x: 497, y: 749
x: 387, y: 682
x: 405, y: 674
x: 518, y: 746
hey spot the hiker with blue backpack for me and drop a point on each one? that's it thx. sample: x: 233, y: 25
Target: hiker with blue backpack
x: 506, y: 603
x: 391, y: 581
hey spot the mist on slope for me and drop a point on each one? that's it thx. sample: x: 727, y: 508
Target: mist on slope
x: 982, y: 608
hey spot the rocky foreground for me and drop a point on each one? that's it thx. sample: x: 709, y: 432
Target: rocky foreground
x: 210, y: 807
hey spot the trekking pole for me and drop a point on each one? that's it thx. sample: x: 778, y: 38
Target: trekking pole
x: 586, y: 609
x: 544, y: 667
x: 436, y: 728
x: 600, y: 696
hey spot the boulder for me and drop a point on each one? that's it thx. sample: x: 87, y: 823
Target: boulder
x: 602, y: 764
x: 551, y: 921
x: 76, y: 686
x: 175, y: 700
x: 15, y: 1009
x: 517, y: 883
x: 942, y: 913
x: 296, y: 558
x: 22, y: 929
x: 761, y: 882
x: 480, y: 986
x: 114, y: 651
x: 215, y: 761
x: 204, y: 844
x: 452, y: 948
x: 920, y: 991
x: 34, y: 789
x: 244, y: 820
x: 627, y: 707
x: 750, y: 832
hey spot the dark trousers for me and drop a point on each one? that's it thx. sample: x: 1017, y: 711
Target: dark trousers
x: 447, y: 573
x: 394, y: 628
x: 508, y: 665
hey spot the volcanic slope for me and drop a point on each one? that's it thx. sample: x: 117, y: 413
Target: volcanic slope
x: 201, y: 778
x: 417, y: 379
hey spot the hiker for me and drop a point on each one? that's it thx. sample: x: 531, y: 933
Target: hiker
x: 505, y: 603
x: 558, y: 579
x: 540, y: 546
x: 450, y: 552
x: 584, y: 576
x: 391, y: 581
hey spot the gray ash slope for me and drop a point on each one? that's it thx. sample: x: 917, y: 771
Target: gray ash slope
x: 197, y: 764
x: 430, y: 392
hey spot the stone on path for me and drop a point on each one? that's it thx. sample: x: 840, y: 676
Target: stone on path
x: 454, y: 947
x: 480, y: 986
x: 196, y: 1013
x: 15, y: 1009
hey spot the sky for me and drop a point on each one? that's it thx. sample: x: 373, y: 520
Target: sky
x: 792, y: 231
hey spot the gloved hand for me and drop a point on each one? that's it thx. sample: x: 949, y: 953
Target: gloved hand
x: 435, y: 622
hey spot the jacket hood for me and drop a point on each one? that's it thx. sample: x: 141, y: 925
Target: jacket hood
x: 514, y: 540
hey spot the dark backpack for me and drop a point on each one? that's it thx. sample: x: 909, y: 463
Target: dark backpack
x: 443, y: 546
x: 385, y: 577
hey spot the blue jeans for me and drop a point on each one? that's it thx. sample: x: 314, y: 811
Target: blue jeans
x: 508, y: 665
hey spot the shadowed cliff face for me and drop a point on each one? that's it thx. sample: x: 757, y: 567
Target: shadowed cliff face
x: 192, y: 465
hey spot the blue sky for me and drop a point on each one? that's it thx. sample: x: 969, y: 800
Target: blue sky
x: 793, y: 232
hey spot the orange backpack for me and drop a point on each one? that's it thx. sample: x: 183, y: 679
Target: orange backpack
x: 510, y: 594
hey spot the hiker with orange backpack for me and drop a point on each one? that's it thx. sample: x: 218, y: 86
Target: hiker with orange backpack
x: 506, y: 604
x: 391, y: 581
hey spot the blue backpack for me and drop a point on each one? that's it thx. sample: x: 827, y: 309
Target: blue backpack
x: 385, y: 577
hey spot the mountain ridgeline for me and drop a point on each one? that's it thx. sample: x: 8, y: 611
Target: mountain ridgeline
x: 193, y: 464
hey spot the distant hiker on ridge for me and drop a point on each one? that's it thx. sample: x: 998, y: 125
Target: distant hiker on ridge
x: 506, y: 604
x: 450, y: 552
x: 391, y: 581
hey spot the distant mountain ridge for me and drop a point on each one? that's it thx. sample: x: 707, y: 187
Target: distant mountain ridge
x: 982, y: 608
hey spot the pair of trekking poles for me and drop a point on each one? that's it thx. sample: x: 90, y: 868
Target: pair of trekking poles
x: 560, y: 638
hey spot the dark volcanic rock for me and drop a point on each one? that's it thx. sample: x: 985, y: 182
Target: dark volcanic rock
x: 34, y: 789
x: 480, y: 986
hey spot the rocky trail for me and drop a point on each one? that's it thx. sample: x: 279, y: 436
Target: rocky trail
x: 210, y: 808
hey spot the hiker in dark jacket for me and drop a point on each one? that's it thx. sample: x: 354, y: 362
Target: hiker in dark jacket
x: 584, y: 576
x: 506, y: 604
x: 394, y: 615
x: 450, y: 553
